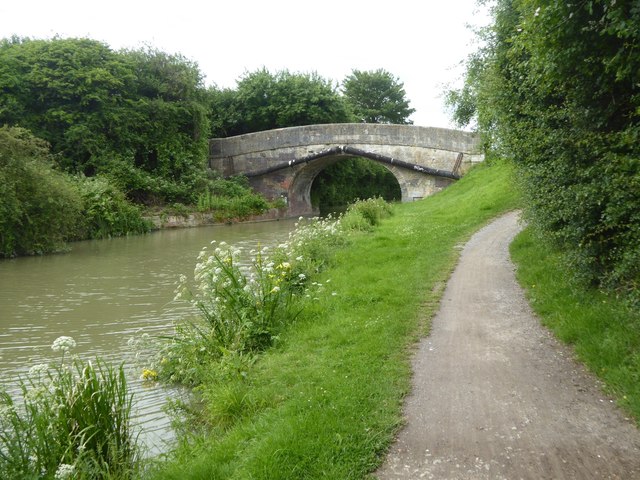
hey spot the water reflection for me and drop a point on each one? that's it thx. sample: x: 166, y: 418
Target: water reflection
x: 103, y: 293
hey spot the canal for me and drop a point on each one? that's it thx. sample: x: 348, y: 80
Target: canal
x: 103, y: 293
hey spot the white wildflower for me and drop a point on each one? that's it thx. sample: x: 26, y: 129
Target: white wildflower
x: 37, y: 370
x: 64, y: 471
x: 63, y: 344
x: 37, y: 393
x: 6, y: 412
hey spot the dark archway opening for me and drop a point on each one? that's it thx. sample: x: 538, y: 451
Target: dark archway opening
x: 350, y: 179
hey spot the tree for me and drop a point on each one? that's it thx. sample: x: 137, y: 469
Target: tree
x: 263, y: 101
x: 377, y: 97
x: 138, y: 116
x: 66, y: 91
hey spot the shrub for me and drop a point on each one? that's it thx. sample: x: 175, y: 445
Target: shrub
x: 366, y: 214
x: 554, y: 87
x: 235, y: 207
x: 244, y: 307
x: 241, y: 310
x: 107, y: 213
x: 39, y: 207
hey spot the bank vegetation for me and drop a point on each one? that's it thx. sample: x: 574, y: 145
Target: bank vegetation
x: 95, y: 139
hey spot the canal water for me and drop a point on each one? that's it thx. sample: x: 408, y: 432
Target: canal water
x: 103, y: 293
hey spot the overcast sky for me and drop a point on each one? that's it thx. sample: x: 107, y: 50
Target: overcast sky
x: 420, y: 42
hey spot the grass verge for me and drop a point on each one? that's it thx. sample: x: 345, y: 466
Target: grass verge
x: 604, y: 331
x: 326, y: 402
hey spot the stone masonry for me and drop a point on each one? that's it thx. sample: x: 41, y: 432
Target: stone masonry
x: 284, y: 162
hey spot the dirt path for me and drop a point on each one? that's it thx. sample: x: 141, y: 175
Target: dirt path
x: 496, y: 397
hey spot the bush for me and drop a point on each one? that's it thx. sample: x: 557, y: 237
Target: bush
x: 243, y: 308
x: 366, y: 214
x: 107, y: 213
x: 234, y: 207
x: 40, y: 208
x: 555, y: 88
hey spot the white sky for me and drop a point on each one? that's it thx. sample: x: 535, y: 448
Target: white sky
x: 421, y: 42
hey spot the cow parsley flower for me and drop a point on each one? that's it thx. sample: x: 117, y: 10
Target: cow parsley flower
x: 63, y: 344
x: 64, y: 471
x: 38, y: 370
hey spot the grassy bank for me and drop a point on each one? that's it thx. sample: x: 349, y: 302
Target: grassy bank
x: 604, y: 331
x: 325, y: 403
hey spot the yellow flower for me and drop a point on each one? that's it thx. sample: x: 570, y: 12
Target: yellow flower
x: 148, y: 374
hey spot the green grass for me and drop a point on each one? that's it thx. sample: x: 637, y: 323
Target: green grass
x: 326, y: 402
x: 604, y: 331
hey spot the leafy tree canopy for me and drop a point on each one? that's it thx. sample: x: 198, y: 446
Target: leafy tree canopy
x: 377, y: 97
x: 263, y: 101
x: 104, y: 111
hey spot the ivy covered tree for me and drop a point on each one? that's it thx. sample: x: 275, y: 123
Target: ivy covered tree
x: 377, y: 97
x: 556, y: 87
x: 65, y: 91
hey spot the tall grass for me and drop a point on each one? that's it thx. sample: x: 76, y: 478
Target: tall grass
x: 326, y: 402
x: 72, y: 420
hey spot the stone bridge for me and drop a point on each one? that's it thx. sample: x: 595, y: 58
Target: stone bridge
x: 284, y: 162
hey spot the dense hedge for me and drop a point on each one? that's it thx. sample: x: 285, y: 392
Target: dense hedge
x: 557, y: 87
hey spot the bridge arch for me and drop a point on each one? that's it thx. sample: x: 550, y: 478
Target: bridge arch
x: 304, y: 178
x: 284, y: 162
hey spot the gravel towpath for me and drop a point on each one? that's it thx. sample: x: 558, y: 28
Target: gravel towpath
x: 495, y: 396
